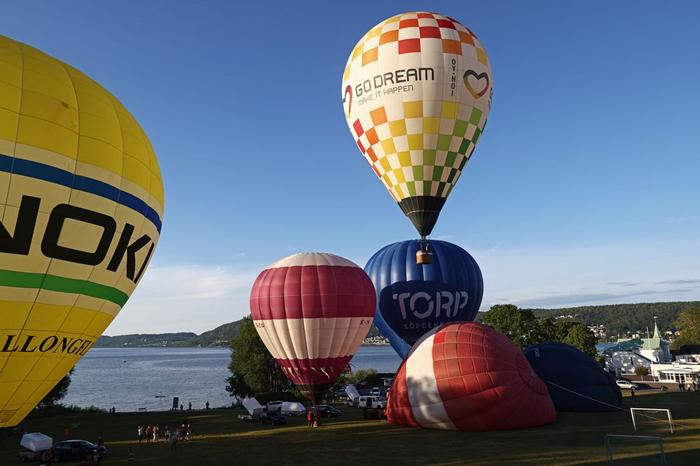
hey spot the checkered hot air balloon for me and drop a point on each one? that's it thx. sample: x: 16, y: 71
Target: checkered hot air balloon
x: 416, y: 93
x: 312, y: 311
x: 467, y: 376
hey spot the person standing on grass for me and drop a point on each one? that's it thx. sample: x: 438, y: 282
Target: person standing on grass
x: 206, y: 405
x: 310, y: 417
x: 139, y: 433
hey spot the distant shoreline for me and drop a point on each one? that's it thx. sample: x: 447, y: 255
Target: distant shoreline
x: 193, y: 346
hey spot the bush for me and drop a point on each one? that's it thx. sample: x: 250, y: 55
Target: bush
x: 641, y: 370
x: 56, y: 409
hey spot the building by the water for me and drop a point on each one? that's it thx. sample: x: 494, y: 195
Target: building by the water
x: 654, y: 354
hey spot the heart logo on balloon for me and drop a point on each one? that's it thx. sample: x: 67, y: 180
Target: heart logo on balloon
x: 348, y: 97
x: 478, y: 85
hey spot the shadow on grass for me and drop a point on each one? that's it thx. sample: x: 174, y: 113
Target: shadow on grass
x: 220, y: 438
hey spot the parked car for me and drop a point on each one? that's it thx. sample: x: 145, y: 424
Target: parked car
x: 622, y: 383
x: 75, y: 450
x: 328, y: 411
x: 371, y: 402
x: 273, y: 419
x: 376, y: 391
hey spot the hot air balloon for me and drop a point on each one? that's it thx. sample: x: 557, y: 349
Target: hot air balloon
x: 466, y: 376
x: 412, y: 299
x: 416, y: 94
x: 576, y: 382
x: 312, y: 311
x: 81, y: 202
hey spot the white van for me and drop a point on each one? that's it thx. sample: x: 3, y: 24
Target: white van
x: 371, y: 401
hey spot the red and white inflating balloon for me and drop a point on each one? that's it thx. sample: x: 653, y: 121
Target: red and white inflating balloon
x: 466, y: 376
x: 312, y: 311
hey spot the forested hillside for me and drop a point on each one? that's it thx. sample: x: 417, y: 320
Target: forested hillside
x: 621, y: 318
x: 617, y: 319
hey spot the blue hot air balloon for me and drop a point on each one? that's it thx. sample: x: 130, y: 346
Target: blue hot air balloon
x: 575, y: 381
x: 414, y: 298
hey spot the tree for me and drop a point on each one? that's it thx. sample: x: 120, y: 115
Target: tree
x: 253, y: 369
x: 688, y: 325
x: 520, y: 325
x: 354, y: 377
x: 360, y: 375
x: 581, y: 337
x: 524, y: 329
x: 562, y: 327
x: 641, y: 370
x: 57, y: 393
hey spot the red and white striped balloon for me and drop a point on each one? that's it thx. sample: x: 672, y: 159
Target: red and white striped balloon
x: 312, y: 311
x: 466, y: 376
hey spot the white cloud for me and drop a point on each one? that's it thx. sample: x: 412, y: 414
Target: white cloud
x: 199, y: 298
x: 184, y: 298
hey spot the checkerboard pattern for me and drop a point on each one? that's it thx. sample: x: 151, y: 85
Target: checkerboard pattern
x: 422, y: 154
x: 418, y: 138
x: 413, y: 33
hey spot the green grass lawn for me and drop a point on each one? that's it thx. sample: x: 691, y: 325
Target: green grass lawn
x: 220, y: 438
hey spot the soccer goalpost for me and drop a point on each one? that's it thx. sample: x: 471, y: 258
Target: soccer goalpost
x: 641, y: 412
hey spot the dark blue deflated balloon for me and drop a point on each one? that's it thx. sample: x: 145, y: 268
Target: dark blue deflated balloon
x: 412, y: 298
x: 575, y: 381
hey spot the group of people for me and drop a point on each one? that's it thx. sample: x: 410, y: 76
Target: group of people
x: 154, y: 433
x: 313, y: 417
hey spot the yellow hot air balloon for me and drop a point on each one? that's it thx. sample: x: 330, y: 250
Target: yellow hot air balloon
x: 416, y: 93
x: 81, y: 205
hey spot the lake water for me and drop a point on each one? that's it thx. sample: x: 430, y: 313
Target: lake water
x: 130, y: 379
x: 133, y: 378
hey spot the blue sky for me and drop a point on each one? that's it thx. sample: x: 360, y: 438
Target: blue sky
x: 582, y: 190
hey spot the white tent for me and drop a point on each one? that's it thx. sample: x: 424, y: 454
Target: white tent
x: 36, y: 441
x: 292, y: 408
x: 252, y: 405
x: 352, y: 392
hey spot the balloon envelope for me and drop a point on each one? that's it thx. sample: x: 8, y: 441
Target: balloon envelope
x: 416, y: 94
x: 576, y: 382
x: 312, y: 311
x: 467, y: 376
x: 412, y: 299
x: 81, y: 205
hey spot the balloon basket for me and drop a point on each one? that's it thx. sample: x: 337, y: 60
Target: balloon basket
x: 424, y: 257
